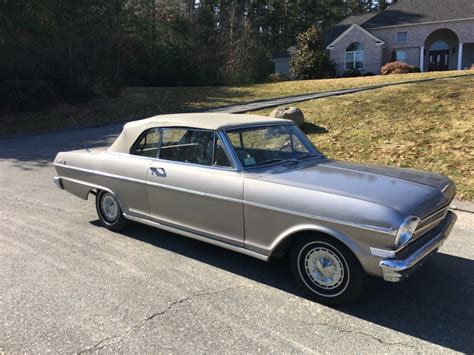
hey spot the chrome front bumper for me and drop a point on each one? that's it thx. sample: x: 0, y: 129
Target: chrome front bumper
x: 398, y: 268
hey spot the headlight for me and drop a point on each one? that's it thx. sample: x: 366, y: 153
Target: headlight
x: 406, y: 230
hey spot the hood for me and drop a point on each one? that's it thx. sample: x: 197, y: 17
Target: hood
x: 407, y: 191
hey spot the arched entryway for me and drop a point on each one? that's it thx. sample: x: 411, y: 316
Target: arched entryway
x: 441, y: 48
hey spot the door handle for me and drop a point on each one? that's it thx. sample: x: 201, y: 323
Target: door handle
x: 157, y: 171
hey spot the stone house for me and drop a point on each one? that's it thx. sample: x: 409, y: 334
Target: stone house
x: 432, y: 35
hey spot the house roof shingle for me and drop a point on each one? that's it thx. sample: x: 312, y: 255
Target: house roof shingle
x: 339, y: 28
x: 406, y: 12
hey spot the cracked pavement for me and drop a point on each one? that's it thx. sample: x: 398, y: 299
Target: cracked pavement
x: 69, y: 285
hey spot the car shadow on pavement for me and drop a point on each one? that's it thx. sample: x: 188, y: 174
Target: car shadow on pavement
x: 436, y: 304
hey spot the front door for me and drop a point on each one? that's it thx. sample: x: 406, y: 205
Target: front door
x: 439, y: 60
x: 193, y: 186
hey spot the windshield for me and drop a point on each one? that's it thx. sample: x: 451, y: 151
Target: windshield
x: 260, y: 146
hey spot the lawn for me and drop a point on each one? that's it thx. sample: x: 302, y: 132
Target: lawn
x: 139, y: 102
x: 427, y: 126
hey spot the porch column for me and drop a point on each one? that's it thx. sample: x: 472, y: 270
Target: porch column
x: 422, y: 58
x: 460, y: 56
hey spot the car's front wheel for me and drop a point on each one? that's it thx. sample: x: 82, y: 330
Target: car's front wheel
x: 109, y: 211
x: 327, y: 270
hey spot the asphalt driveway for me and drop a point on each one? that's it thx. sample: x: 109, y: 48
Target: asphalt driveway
x: 69, y: 285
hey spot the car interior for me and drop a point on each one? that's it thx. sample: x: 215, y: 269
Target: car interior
x: 183, y: 145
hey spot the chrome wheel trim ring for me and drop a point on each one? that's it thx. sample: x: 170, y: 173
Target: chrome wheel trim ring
x: 109, y: 207
x: 324, y: 268
x: 314, y: 287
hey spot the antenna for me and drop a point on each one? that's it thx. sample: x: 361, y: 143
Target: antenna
x: 80, y: 134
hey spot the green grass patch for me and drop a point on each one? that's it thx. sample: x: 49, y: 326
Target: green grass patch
x: 426, y: 126
x: 142, y: 102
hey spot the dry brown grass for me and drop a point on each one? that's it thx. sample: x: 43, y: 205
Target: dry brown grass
x: 143, y: 102
x: 427, y: 126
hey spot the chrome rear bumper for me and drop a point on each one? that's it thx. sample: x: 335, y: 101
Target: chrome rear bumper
x: 395, y: 270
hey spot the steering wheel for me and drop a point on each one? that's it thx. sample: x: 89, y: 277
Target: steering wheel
x: 286, y: 145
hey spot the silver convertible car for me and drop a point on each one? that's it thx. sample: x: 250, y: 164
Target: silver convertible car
x: 256, y: 185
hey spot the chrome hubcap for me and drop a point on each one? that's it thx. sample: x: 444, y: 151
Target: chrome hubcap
x: 109, y: 207
x: 324, y: 267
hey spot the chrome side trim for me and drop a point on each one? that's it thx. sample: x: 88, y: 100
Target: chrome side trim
x: 198, y: 237
x: 97, y: 172
x: 174, y: 188
x: 193, y: 192
x: 391, y: 232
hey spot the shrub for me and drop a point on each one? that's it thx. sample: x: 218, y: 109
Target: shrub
x: 398, y: 68
x: 311, y: 60
x: 351, y: 73
x: 109, y: 86
x: 74, y: 91
x: 277, y: 77
x: 25, y: 95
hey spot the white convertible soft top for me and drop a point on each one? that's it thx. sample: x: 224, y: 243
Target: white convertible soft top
x: 212, y: 121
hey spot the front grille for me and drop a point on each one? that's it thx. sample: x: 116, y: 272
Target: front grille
x: 430, y: 222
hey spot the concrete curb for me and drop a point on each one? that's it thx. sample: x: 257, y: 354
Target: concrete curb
x: 251, y: 105
x: 463, y: 206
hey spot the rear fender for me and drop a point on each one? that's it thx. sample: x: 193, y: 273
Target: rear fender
x: 82, y: 189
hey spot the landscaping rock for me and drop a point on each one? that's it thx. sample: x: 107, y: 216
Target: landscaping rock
x: 289, y: 113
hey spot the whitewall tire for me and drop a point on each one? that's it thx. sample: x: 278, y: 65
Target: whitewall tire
x: 327, y: 270
x: 109, y: 211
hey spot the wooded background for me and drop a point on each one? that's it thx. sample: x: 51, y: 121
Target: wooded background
x: 68, y: 50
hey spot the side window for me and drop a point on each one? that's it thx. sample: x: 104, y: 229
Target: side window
x: 220, y: 157
x: 192, y: 146
x: 148, y: 144
x: 236, y: 139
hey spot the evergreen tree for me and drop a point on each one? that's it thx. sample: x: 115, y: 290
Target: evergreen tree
x: 53, y: 50
x: 311, y: 60
x: 383, y: 4
x: 355, y: 7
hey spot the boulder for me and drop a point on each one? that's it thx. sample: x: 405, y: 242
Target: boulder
x: 289, y: 113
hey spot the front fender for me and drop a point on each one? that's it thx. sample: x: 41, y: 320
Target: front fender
x: 288, y: 233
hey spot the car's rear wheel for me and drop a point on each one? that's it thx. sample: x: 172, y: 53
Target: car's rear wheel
x: 109, y: 211
x: 327, y: 270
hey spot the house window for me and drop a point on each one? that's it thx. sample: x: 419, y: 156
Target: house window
x: 402, y: 37
x: 401, y: 56
x: 354, y: 56
x: 439, y: 46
